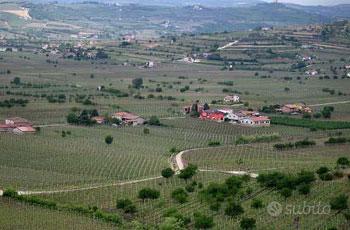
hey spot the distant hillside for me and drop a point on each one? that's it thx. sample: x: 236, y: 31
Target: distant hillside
x: 338, y: 11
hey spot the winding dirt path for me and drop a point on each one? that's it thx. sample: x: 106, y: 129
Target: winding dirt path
x: 180, y: 164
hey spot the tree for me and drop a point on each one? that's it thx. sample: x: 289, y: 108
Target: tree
x: 171, y: 223
x: 16, y: 81
x: 180, y: 195
x: 154, y: 120
x: 286, y: 192
x: 339, y: 203
x: 167, y: 173
x: 322, y: 170
x: 257, y: 203
x: 188, y: 172
x: 109, y: 139
x: 343, y: 162
x: 148, y: 193
x: 233, y: 209
x: 248, y: 223
x: 304, y: 189
x: 202, y: 221
x: 72, y: 118
x: 137, y: 83
x: 146, y: 131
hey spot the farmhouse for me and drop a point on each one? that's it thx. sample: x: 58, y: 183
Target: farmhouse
x: 17, y: 122
x: 214, y: 115
x: 231, y: 99
x: 256, y: 121
x: 296, y: 108
x: 17, y: 125
x: 129, y: 118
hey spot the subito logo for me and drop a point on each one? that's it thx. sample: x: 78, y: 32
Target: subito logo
x: 274, y: 209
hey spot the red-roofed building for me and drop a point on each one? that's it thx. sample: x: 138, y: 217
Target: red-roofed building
x: 24, y: 129
x: 214, y: 115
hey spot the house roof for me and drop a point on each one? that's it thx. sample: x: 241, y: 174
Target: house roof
x: 26, y: 129
x: 261, y: 118
x: 126, y: 115
x: 17, y: 119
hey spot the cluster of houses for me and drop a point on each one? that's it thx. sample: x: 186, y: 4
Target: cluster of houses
x: 17, y: 125
x: 125, y: 118
x: 242, y: 117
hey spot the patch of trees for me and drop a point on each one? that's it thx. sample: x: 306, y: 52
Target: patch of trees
x: 115, y: 92
x: 337, y: 140
x: 61, y: 98
x: 286, y: 183
x: 92, y: 212
x: 13, y: 102
x: 312, y: 124
x: 84, y: 118
x: 299, y: 144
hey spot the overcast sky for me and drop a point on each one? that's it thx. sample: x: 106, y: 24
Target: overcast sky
x: 317, y: 2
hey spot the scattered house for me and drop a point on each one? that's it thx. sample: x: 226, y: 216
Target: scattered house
x: 17, y: 125
x: 311, y: 73
x: 99, y: 119
x: 18, y: 122
x: 232, y: 99
x: 296, y: 108
x: 149, y: 64
x: 24, y: 129
x: 129, y: 118
x: 214, y: 115
x: 256, y: 121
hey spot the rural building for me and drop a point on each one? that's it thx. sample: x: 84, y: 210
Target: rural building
x: 256, y: 121
x: 232, y: 99
x: 214, y: 115
x: 296, y: 108
x: 17, y: 125
x: 24, y: 129
x: 129, y: 118
x: 17, y: 122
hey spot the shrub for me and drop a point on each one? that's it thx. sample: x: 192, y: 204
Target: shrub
x: 248, y: 223
x: 307, y: 123
x: 109, y: 139
x: 179, y: 195
x: 148, y: 193
x: 202, y: 221
x: 154, y: 120
x: 257, y: 203
x: 167, y: 173
x: 214, y: 143
x: 339, y: 203
x: 233, y: 209
x: 322, y: 170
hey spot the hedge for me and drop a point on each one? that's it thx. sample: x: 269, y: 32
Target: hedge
x: 307, y: 123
